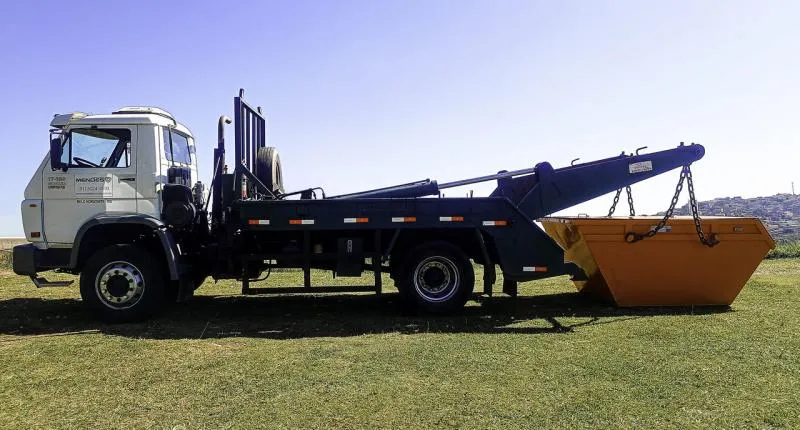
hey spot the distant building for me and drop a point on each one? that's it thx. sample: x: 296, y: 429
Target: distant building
x: 779, y: 212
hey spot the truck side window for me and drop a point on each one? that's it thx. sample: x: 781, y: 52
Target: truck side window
x: 97, y: 148
x: 179, y: 153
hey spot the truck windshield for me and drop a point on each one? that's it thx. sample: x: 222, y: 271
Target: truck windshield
x: 97, y: 148
x: 179, y: 151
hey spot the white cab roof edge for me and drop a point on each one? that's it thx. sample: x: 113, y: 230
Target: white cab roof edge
x: 124, y: 116
x: 61, y: 120
x: 144, y: 110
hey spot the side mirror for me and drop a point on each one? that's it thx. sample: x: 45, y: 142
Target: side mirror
x: 55, y: 154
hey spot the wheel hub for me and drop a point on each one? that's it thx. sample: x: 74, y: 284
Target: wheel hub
x: 119, y: 285
x: 436, y: 279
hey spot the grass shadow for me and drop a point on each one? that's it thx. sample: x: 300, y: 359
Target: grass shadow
x: 293, y: 317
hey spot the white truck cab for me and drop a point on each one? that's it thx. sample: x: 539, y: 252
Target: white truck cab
x: 116, y: 163
x: 97, y: 205
x: 118, y: 202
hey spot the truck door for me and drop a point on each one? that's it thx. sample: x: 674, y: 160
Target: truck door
x: 100, y: 178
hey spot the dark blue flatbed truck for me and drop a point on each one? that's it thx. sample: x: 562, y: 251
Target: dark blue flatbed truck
x: 427, y: 243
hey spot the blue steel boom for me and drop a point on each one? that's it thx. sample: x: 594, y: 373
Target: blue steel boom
x: 550, y: 190
x: 543, y: 190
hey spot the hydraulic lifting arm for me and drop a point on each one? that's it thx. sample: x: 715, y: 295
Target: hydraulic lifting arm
x: 550, y: 190
x: 543, y: 190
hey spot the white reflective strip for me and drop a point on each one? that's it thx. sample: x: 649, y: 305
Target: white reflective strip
x: 261, y: 221
x: 445, y: 218
x: 350, y: 220
x: 307, y: 221
x: 398, y: 219
x: 488, y: 223
x: 528, y: 269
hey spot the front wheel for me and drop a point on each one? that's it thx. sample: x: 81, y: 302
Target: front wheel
x: 437, y: 278
x: 122, y: 283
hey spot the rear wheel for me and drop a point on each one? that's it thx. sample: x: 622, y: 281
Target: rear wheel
x: 437, y: 277
x: 122, y: 283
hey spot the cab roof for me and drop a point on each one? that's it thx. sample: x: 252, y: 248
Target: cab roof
x: 124, y: 116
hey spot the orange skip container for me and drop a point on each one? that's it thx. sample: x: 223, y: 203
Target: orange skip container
x: 671, y: 268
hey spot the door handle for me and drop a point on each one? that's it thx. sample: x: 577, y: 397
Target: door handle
x: 127, y: 179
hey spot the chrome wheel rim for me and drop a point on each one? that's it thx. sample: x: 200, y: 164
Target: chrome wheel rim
x: 119, y: 285
x: 436, y: 279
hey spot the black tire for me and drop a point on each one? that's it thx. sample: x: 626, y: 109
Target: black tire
x: 268, y: 169
x: 123, y: 283
x: 436, y: 277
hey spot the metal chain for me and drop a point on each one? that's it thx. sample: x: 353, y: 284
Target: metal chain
x: 616, y: 200
x: 632, y: 236
x: 630, y: 200
x: 686, y: 174
x: 711, y: 240
x: 614, y: 203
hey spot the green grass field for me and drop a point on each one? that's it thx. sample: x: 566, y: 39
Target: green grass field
x: 785, y: 249
x: 548, y: 359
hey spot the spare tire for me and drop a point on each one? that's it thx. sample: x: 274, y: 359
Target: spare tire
x: 268, y: 169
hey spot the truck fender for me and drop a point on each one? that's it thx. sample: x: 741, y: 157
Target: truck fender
x: 168, y: 243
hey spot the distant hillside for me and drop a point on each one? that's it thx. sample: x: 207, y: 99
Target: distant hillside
x: 780, y: 213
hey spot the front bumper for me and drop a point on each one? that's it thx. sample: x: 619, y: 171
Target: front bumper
x: 28, y: 259
x: 24, y: 260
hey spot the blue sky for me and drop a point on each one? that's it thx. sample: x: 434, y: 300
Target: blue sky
x: 363, y: 94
